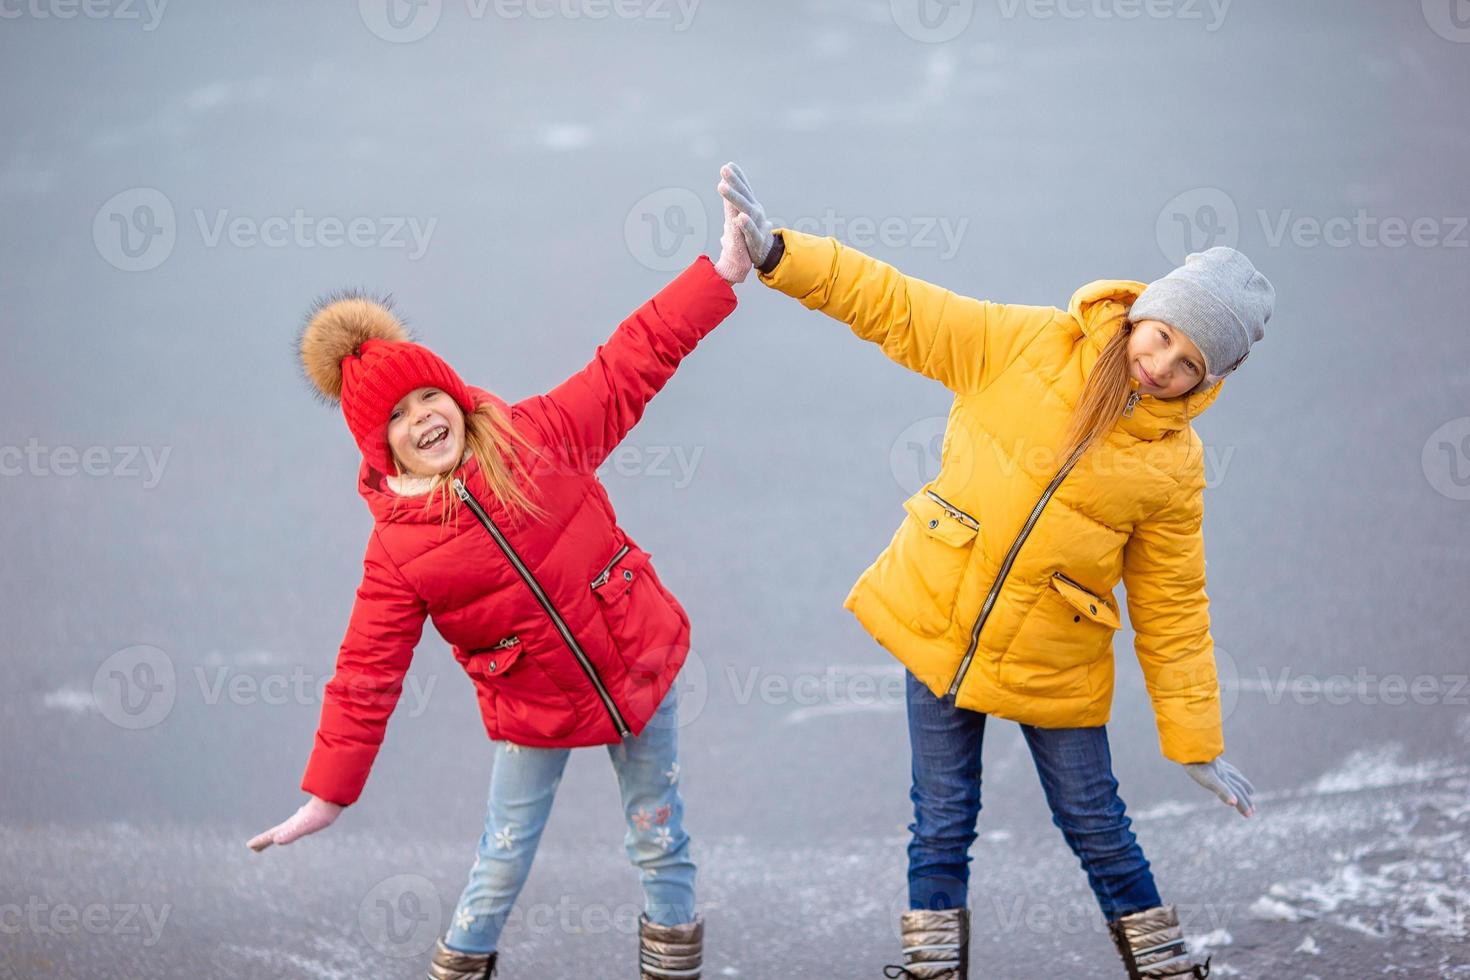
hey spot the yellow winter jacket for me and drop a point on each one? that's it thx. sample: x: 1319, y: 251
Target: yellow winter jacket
x: 998, y: 584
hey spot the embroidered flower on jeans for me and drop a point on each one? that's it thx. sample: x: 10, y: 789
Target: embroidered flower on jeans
x: 664, y: 838
x: 512, y: 747
x: 464, y: 919
x: 505, y: 837
x: 673, y: 773
x: 661, y: 815
x: 642, y: 819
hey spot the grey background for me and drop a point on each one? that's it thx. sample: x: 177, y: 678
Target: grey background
x: 1058, y: 148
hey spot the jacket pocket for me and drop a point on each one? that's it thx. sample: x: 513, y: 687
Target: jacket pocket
x: 934, y: 548
x: 521, y: 696
x: 612, y: 584
x: 1067, y: 631
x: 622, y: 590
x: 493, y: 661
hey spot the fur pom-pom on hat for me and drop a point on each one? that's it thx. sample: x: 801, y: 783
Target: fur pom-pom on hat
x: 336, y: 327
x: 355, y: 352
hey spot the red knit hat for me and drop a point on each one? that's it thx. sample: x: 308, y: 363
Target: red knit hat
x: 354, y: 350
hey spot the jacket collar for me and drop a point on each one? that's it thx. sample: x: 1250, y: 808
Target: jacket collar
x: 388, y: 506
x: 1101, y: 307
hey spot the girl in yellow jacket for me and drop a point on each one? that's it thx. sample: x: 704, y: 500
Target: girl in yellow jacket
x: 1068, y: 463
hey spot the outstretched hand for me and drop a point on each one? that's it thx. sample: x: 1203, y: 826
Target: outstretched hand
x: 1225, y: 781
x: 315, y: 814
x: 734, y: 263
x: 751, y: 221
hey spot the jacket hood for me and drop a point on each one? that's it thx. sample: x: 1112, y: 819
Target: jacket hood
x: 1100, y: 308
x: 386, y: 505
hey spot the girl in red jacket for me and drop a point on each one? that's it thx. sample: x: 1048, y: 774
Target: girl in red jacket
x: 490, y: 519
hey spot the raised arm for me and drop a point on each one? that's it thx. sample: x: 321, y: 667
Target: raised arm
x: 386, y: 623
x: 961, y: 342
x: 592, y: 411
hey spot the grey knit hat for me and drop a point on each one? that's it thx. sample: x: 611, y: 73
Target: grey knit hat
x: 1218, y: 300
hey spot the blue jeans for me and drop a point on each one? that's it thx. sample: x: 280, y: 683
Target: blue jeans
x: 1076, y: 773
x: 523, y: 784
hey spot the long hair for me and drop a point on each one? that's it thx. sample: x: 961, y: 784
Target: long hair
x: 495, y: 443
x: 1103, y: 395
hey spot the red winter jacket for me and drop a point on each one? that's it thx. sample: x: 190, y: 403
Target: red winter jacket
x: 562, y: 624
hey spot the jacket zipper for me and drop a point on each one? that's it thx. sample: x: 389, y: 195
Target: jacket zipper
x: 1133, y: 397
x: 606, y: 572
x: 1005, y: 567
x: 541, y: 597
x: 954, y: 511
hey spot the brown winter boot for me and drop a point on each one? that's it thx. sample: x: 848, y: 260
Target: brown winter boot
x: 450, y: 964
x: 1152, y: 945
x: 936, y: 945
x: 670, y: 952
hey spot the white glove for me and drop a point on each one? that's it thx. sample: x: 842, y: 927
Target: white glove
x: 1225, y: 781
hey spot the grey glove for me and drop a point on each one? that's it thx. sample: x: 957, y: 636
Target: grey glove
x: 1225, y: 781
x: 752, y: 220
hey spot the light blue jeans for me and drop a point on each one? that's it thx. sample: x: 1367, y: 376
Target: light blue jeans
x: 523, y: 784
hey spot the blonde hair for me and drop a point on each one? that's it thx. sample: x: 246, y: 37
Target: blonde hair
x: 493, y: 440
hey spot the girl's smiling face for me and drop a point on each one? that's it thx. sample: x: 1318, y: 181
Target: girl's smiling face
x: 1163, y: 360
x: 426, y: 432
